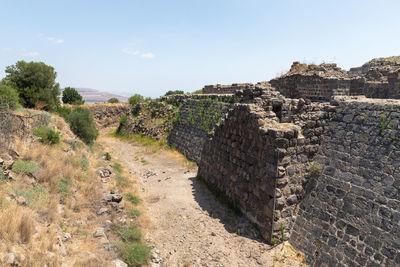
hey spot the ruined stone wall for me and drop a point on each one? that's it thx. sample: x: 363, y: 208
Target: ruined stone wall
x: 312, y: 87
x: 106, y: 115
x: 225, y: 89
x: 394, y: 84
x: 241, y: 160
x: 262, y: 164
x: 196, y: 118
x: 351, y: 215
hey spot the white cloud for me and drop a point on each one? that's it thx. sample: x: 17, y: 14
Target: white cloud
x: 54, y: 40
x: 130, y: 51
x: 137, y: 53
x: 30, y: 54
x: 147, y: 55
x: 51, y: 39
x: 23, y: 52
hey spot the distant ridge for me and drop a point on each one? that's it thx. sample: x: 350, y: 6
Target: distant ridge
x: 94, y: 96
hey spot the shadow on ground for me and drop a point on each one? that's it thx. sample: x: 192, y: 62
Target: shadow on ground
x: 218, y: 207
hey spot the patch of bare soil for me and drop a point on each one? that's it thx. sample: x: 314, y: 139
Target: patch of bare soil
x: 187, y: 225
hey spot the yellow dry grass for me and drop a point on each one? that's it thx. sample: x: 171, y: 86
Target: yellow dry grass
x: 17, y: 224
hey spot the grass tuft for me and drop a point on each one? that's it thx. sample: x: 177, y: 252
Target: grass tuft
x: 24, y: 166
x: 133, y: 213
x: 132, y: 198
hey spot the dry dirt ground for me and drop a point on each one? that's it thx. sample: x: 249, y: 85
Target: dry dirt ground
x: 186, y: 224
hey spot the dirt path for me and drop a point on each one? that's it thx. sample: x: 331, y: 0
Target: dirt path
x: 188, y: 226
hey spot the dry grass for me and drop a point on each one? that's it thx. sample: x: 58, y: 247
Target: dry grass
x: 17, y: 224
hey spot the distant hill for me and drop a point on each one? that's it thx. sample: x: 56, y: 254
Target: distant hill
x: 95, y: 96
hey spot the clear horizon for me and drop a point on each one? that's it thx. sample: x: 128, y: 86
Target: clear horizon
x: 129, y: 47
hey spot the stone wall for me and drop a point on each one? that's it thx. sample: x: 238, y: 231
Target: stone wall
x: 312, y: 87
x: 242, y: 160
x: 107, y: 115
x: 351, y: 215
x: 196, y: 118
x: 259, y: 157
x: 225, y: 89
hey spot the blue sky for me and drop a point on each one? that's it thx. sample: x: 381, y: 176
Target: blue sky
x: 150, y: 47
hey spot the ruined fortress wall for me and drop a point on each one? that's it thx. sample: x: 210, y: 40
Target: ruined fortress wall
x: 262, y: 165
x: 225, y: 89
x: 312, y: 87
x: 241, y: 161
x: 351, y: 217
x: 196, y: 118
x: 106, y: 115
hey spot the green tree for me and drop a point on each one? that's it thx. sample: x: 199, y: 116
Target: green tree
x: 81, y: 122
x: 113, y: 100
x: 71, y: 96
x: 9, y: 96
x: 176, y: 92
x: 35, y: 83
x: 136, y: 98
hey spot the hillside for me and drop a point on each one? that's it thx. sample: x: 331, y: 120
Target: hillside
x: 94, y: 96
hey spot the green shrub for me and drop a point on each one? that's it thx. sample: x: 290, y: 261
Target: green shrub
x: 176, y: 92
x: 24, y: 166
x: 82, y: 124
x: 9, y: 96
x: 134, y: 253
x: 48, y: 135
x: 113, y: 100
x: 128, y: 234
x: 63, y: 112
x: 136, y: 98
x: 107, y: 156
x: 122, y: 123
x: 71, y: 96
x: 132, y: 198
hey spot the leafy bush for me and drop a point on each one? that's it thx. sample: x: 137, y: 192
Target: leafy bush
x: 24, y: 166
x: 176, y: 92
x: 9, y: 96
x: 134, y: 253
x: 113, y: 100
x: 82, y: 124
x: 63, y: 112
x: 136, y: 98
x: 71, y: 96
x: 48, y: 135
x: 128, y: 234
x: 36, y: 84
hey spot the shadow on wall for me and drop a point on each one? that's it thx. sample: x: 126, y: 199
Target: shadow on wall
x: 217, y: 207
